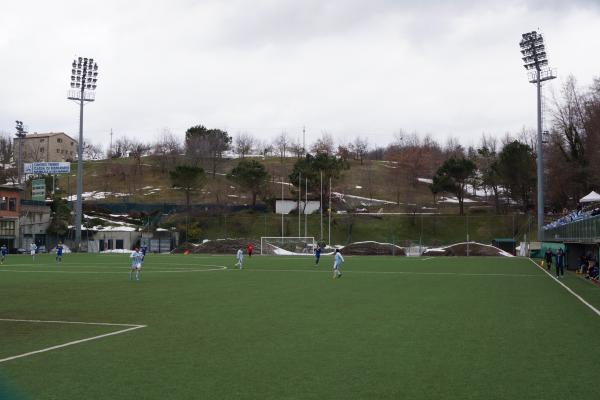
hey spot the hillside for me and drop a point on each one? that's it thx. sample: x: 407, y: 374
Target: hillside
x: 370, y: 186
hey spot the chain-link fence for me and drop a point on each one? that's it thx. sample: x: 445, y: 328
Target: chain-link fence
x: 405, y: 230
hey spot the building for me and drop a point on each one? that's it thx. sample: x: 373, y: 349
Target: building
x: 46, y: 147
x: 10, y: 198
x: 34, y: 220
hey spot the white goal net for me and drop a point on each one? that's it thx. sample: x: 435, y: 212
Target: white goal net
x: 283, y: 246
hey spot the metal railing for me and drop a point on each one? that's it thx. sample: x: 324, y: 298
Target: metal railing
x: 584, y: 230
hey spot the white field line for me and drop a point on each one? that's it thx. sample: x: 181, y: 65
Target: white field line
x: 129, y: 327
x: 568, y: 289
x: 395, y: 272
x: 124, y: 270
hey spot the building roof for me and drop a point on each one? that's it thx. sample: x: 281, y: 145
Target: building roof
x: 48, y: 134
x: 8, y: 186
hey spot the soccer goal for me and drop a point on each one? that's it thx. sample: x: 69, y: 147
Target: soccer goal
x: 287, y: 246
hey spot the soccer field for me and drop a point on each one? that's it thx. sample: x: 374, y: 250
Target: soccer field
x: 390, y: 328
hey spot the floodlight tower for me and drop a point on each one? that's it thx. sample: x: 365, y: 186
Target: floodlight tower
x: 21, y: 133
x: 84, y: 75
x: 535, y: 60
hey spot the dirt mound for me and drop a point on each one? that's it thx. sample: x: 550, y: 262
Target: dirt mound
x: 219, y: 246
x: 460, y: 249
x: 373, y: 249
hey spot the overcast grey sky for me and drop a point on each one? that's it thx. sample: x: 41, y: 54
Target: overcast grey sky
x: 448, y: 68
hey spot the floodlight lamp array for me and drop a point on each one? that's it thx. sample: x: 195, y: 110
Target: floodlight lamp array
x: 84, y: 74
x: 533, y: 51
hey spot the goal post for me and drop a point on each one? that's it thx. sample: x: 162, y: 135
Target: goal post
x: 279, y: 245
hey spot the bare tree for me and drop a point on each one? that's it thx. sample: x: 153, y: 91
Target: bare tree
x: 323, y: 145
x: 6, y: 149
x: 243, y: 144
x: 121, y: 148
x: 281, y: 144
x: 92, y: 151
x: 265, y: 148
x: 297, y: 149
x: 168, y: 148
x: 359, y: 147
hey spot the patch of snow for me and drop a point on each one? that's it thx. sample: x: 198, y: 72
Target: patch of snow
x: 454, y: 200
x: 425, y: 180
x: 232, y: 195
x: 120, y: 223
x: 96, y: 195
x: 358, y: 187
x: 367, y: 200
x: 500, y: 251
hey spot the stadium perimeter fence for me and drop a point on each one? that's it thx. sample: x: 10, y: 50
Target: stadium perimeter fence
x: 404, y: 230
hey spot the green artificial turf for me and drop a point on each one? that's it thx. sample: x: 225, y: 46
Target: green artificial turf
x: 390, y: 328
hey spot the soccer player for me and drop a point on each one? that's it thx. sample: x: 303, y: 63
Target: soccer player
x: 250, y: 248
x: 59, y: 252
x: 337, y: 262
x: 144, y: 250
x: 32, y: 250
x: 136, y: 264
x: 3, y: 253
x: 317, y: 254
x: 240, y: 258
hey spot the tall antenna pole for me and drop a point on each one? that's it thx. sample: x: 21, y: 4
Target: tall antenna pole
x: 304, y: 139
x: 535, y: 59
x: 282, y: 234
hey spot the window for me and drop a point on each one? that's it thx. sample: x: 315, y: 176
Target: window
x: 7, y: 228
x: 3, y: 203
x: 41, y: 140
x: 59, y: 140
x: 71, y: 143
x: 58, y: 151
x: 12, y: 204
x: 42, y: 150
x: 118, y: 243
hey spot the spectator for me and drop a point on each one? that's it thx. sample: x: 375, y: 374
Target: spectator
x: 560, y: 260
x: 548, y: 258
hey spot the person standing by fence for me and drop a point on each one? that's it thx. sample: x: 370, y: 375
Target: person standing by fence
x: 548, y: 259
x: 560, y: 261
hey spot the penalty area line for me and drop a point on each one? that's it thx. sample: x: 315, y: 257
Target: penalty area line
x: 129, y: 328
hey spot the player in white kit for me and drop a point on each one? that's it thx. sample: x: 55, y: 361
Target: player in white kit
x: 337, y: 262
x: 239, y: 256
x: 136, y: 264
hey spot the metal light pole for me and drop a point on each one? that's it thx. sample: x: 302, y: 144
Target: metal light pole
x: 84, y: 75
x: 535, y: 60
x: 21, y: 133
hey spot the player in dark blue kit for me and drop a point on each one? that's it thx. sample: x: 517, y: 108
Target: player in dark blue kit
x: 59, y: 252
x: 143, y: 251
x: 3, y: 253
x: 317, y: 254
